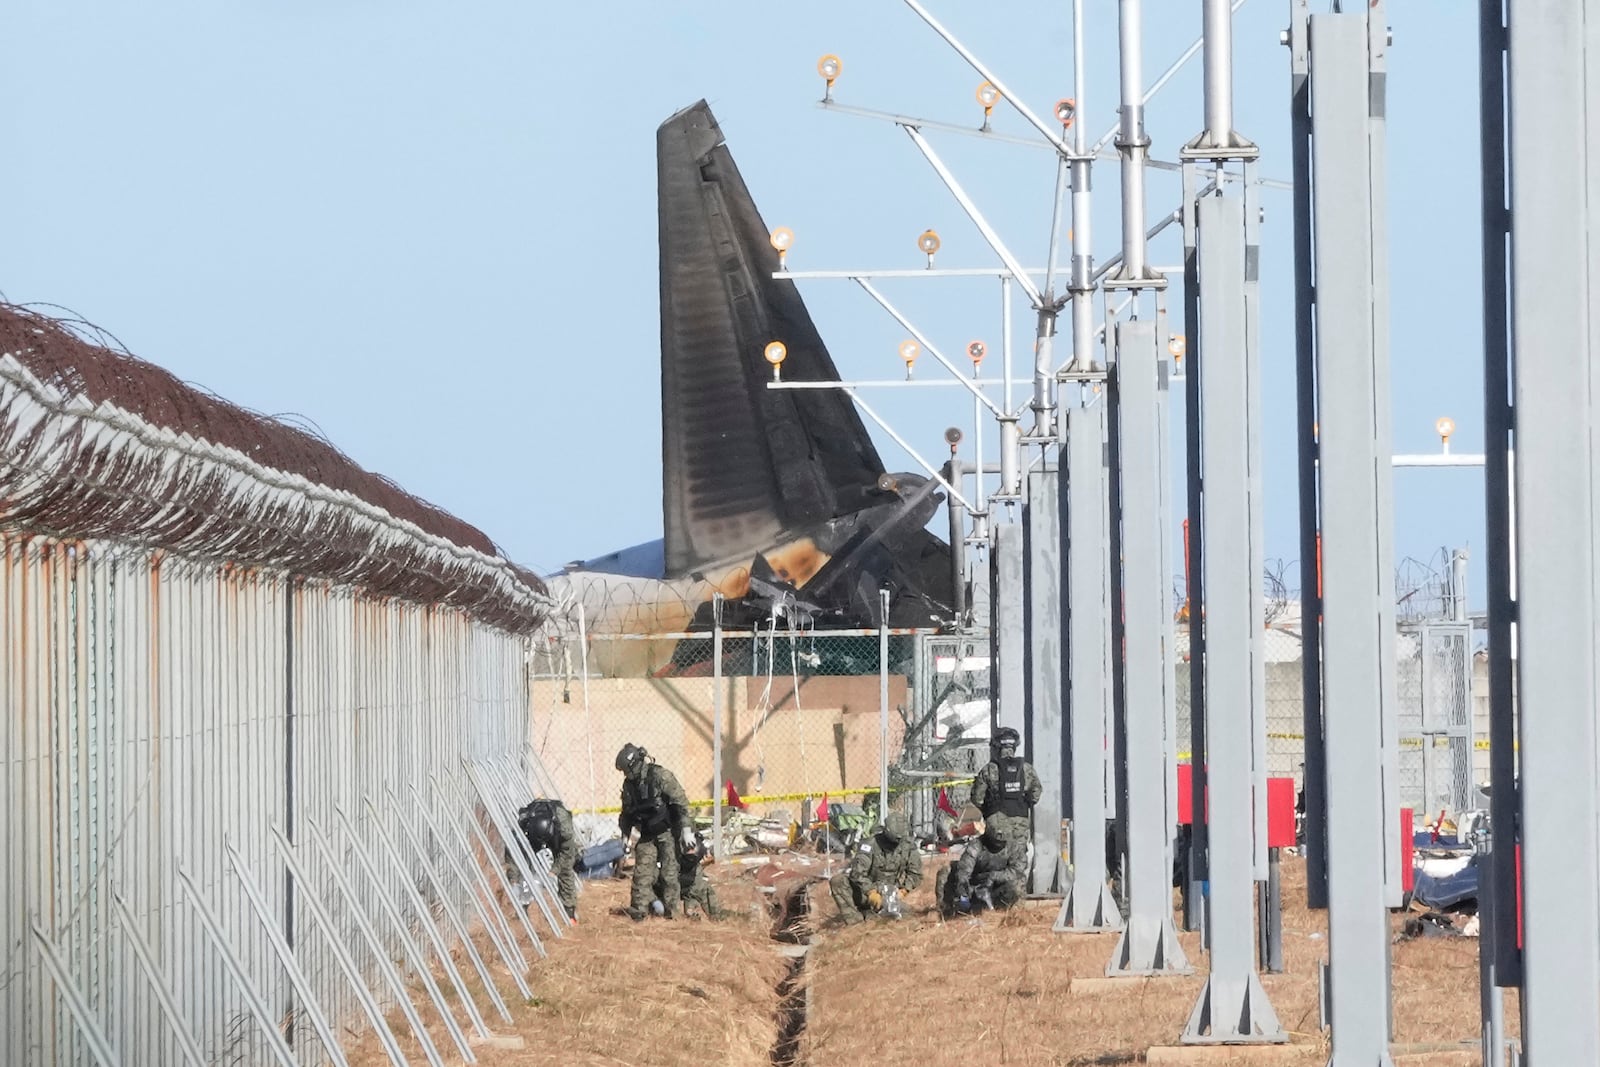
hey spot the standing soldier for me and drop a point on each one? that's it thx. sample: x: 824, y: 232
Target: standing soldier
x: 889, y: 859
x: 1007, y: 788
x: 548, y: 824
x: 994, y: 869
x: 654, y: 804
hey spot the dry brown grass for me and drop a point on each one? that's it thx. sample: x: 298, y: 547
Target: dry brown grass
x: 924, y: 992
x: 918, y: 992
x: 618, y: 992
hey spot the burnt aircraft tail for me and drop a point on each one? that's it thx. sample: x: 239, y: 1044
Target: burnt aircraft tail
x: 777, y: 498
x: 741, y: 463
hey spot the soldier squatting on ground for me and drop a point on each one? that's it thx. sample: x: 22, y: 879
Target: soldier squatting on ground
x: 890, y: 860
x: 693, y: 886
x: 654, y: 804
x: 992, y: 872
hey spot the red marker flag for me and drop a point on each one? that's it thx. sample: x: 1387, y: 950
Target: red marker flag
x: 945, y: 805
x: 733, y: 798
x: 822, y: 809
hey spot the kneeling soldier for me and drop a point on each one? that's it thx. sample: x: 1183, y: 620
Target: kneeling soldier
x: 889, y: 858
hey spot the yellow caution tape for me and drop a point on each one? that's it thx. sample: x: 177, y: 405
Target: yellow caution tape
x: 1478, y: 744
x: 782, y: 797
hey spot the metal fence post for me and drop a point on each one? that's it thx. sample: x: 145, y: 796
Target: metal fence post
x: 99, y: 1047
x: 286, y: 956
x: 883, y: 703
x: 718, y: 849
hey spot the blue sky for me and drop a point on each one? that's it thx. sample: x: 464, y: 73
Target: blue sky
x: 430, y: 227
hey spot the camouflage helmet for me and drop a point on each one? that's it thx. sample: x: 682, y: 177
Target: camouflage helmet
x: 995, y: 833
x: 896, y: 828
x: 629, y: 757
x: 1006, y: 737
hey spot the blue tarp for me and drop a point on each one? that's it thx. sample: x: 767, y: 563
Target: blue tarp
x: 1448, y: 891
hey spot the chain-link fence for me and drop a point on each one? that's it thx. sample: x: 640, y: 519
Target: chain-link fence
x: 1442, y: 711
x: 1434, y: 676
x: 806, y: 716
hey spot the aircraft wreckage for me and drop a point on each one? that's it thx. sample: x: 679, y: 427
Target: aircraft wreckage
x: 775, y: 498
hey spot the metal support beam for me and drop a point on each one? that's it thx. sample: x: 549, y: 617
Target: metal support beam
x: 1353, y: 473
x: 1232, y: 1007
x: 1149, y: 942
x: 1314, y: 778
x: 1043, y: 734
x: 1497, y: 485
x: 1134, y: 144
x: 1194, y: 542
x: 1554, y: 118
x: 1089, y: 907
x: 1006, y: 629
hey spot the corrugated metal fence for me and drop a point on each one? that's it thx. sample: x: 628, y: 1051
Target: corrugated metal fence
x: 161, y: 712
x: 234, y: 793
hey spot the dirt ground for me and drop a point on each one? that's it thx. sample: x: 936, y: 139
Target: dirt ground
x: 914, y: 992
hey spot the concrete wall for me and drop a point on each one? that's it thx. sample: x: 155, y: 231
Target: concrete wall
x: 824, y: 739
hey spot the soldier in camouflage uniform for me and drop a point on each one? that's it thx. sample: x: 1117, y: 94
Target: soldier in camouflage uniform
x: 693, y: 886
x: 654, y: 804
x: 994, y: 868
x: 1008, y: 787
x: 889, y: 858
x: 548, y: 824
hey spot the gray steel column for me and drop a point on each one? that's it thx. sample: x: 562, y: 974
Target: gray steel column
x: 1089, y: 906
x: 1554, y: 61
x: 1043, y: 735
x: 1350, y: 364
x: 1169, y: 680
x: 1232, y: 1007
x: 1377, y: 33
x: 1149, y: 942
x: 1193, y: 896
x: 1007, y: 671
x: 1314, y: 779
x: 1497, y: 487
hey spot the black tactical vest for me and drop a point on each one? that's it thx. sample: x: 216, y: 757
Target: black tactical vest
x: 647, y: 808
x: 1013, y: 798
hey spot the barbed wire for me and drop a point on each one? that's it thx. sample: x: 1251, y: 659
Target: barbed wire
x: 99, y: 444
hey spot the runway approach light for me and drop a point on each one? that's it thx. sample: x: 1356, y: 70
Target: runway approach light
x: 1177, y: 346
x: 988, y: 96
x: 909, y: 350
x: 776, y: 352
x: 1445, y: 427
x: 952, y: 437
x: 830, y: 67
x: 929, y: 242
x: 781, y: 239
x: 976, y: 350
x: 1065, y: 109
